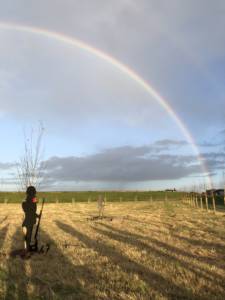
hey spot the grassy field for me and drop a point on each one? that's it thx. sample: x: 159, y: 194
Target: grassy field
x: 157, y: 250
x: 90, y: 196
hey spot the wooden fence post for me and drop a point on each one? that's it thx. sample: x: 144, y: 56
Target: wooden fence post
x: 214, y: 203
x: 201, y: 202
x: 206, y: 202
x: 196, y: 200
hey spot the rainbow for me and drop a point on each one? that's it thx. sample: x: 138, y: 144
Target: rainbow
x: 120, y: 66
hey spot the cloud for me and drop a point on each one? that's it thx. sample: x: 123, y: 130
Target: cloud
x: 166, y: 144
x: 118, y: 167
x: 7, y: 166
x: 175, y: 45
x: 214, y: 160
x: 130, y: 164
x: 210, y: 144
x: 222, y: 132
x: 123, y: 164
x: 159, y: 40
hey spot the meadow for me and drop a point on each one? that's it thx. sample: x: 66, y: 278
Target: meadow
x: 141, y: 250
x: 89, y: 196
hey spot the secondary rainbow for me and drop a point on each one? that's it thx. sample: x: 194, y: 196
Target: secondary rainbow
x: 123, y: 68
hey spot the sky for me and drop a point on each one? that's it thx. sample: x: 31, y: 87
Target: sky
x: 102, y: 129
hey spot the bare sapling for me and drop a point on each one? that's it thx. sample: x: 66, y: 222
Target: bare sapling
x: 194, y: 196
x: 206, y: 197
x: 101, y: 206
x: 30, y: 165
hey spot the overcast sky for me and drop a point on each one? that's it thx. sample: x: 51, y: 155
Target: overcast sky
x: 102, y: 129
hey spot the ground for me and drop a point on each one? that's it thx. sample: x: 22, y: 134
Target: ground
x: 147, y: 250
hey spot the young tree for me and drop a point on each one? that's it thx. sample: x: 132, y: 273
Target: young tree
x: 101, y: 206
x: 30, y: 166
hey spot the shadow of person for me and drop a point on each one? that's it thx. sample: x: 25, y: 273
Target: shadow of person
x: 155, y: 281
x: 16, y: 287
x: 54, y: 276
x: 51, y: 275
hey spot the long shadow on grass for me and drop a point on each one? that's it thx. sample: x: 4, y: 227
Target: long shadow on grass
x: 170, y: 248
x: 54, y: 276
x: 3, y: 233
x: 131, y: 239
x: 3, y: 219
x: 17, y: 279
x: 149, y: 223
x: 154, y: 280
x: 204, y: 244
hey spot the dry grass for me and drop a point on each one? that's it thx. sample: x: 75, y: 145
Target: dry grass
x: 148, y: 251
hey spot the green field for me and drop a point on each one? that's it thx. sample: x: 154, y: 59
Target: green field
x: 111, y: 196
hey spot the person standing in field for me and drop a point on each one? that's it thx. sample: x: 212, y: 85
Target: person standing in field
x: 101, y: 205
x: 29, y: 207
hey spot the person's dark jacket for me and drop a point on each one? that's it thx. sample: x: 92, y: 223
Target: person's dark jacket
x: 29, y: 207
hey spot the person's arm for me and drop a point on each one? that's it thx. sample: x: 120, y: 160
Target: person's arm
x: 24, y: 206
x: 35, y: 209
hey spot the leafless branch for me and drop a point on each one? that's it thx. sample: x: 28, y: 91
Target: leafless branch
x: 29, y: 165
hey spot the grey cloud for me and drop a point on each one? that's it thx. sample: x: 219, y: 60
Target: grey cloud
x: 9, y: 181
x: 121, y: 166
x: 210, y: 144
x: 142, y: 21
x: 157, y: 38
x: 222, y: 132
x: 7, y: 166
x: 125, y: 164
x: 172, y: 44
x: 167, y: 144
x: 131, y: 164
x: 215, y: 161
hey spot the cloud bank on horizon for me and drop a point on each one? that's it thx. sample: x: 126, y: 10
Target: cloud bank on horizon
x: 97, y: 120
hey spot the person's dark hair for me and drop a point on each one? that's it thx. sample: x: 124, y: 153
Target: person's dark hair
x: 31, y: 191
